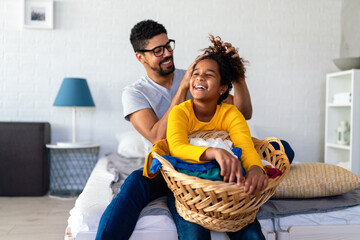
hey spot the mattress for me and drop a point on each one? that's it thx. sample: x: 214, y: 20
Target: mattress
x: 347, y: 216
x: 156, y: 222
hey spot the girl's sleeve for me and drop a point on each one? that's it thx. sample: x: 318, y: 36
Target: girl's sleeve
x: 177, y: 137
x: 240, y: 136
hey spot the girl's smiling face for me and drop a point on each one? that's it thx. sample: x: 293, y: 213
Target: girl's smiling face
x: 205, y: 81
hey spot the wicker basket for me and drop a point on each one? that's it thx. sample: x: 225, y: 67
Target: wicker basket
x: 217, y: 205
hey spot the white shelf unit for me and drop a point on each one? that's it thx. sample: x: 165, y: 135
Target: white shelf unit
x: 347, y: 156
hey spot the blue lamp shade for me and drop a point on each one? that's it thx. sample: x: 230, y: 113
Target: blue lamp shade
x: 74, y: 92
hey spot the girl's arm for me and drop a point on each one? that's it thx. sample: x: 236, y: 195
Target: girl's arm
x: 240, y: 136
x: 177, y: 136
x: 255, y: 180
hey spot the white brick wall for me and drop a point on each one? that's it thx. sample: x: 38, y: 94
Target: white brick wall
x: 290, y: 46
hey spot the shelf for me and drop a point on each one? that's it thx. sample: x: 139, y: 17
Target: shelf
x: 337, y: 111
x: 339, y: 105
x: 342, y: 73
x: 338, y: 146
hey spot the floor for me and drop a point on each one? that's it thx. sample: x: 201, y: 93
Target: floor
x: 38, y: 218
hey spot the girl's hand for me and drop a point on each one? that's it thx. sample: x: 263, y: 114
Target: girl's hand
x: 230, y: 167
x: 255, y: 180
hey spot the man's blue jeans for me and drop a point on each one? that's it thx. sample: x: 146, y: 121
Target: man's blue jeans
x: 288, y: 150
x: 120, y: 217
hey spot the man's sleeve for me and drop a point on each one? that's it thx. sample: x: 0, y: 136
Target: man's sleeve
x: 133, y: 101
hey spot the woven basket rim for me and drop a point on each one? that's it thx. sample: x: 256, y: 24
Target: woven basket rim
x: 212, y: 183
x: 215, y: 204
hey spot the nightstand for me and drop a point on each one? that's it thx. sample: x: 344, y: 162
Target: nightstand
x: 70, y: 168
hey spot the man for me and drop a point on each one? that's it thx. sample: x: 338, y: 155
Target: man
x: 146, y: 105
x: 148, y: 101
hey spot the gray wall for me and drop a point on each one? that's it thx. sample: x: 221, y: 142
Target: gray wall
x: 289, y: 44
x: 350, y: 28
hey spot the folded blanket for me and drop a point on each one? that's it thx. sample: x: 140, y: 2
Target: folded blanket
x: 210, y: 170
x: 286, y: 207
x: 181, y: 164
x: 210, y: 174
x: 121, y: 167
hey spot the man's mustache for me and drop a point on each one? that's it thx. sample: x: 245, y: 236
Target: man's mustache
x: 167, y: 59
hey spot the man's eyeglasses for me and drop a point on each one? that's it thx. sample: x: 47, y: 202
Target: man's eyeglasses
x: 159, y: 50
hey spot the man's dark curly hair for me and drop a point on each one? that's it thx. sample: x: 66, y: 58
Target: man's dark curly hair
x: 143, y: 31
x: 230, y: 69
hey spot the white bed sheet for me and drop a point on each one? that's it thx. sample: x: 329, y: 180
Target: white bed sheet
x: 345, y: 216
x: 92, y: 202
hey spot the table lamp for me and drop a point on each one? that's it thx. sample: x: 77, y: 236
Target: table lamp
x: 74, y: 92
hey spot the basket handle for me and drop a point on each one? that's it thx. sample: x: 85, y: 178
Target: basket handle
x: 267, y: 151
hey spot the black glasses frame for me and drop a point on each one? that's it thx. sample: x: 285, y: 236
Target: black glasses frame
x: 167, y: 46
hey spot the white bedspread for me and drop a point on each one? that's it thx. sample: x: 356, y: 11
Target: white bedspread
x: 92, y: 202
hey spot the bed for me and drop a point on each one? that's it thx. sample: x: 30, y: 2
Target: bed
x: 281, y: 219
x: 155, y: 220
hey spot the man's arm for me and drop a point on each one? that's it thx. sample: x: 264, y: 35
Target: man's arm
x: 241, y: 98
x: 146, y: 122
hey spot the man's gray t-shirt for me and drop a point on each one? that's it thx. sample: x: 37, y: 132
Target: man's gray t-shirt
x: 145, y: 93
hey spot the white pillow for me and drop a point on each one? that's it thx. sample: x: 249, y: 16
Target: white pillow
x: 130, y: 144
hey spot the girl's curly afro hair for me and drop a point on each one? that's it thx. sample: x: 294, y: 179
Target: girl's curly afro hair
x: 231, y: 69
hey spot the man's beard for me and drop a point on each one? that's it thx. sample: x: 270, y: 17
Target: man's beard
x: 164, y: 72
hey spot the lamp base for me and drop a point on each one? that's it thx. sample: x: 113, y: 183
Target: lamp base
x: 73, y: 145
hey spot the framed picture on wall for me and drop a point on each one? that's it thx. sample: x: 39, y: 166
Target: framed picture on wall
x: 39, y: 14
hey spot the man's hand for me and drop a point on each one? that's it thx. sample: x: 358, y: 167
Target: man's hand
x: 230, y: 167
x: 231, y: 49
x: 185, y: 82
x: 255, y: 180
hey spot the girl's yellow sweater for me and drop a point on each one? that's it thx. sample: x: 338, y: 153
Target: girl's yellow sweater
x: 182, y: 121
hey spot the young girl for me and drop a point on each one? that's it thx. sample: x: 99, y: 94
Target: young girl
x: 211, y: 81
